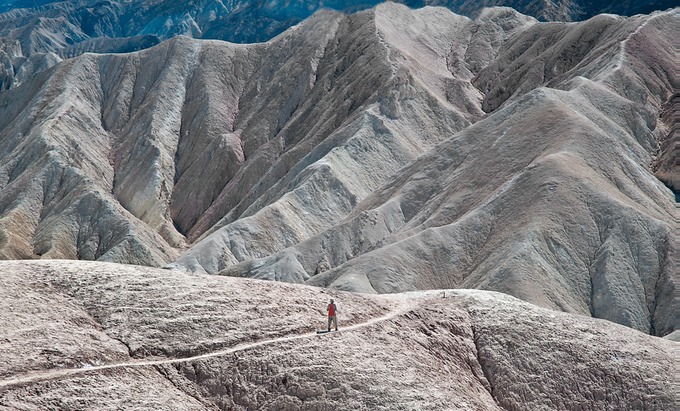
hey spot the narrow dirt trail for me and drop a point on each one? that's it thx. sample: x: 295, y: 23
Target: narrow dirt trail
x: 405, y: 306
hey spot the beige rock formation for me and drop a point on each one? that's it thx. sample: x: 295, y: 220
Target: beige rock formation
x: 88, y: 335
x: 550, y: 198
x: 384, y: 151
x: 255, y: 125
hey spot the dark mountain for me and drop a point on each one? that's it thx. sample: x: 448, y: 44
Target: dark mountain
x: 6, y: 5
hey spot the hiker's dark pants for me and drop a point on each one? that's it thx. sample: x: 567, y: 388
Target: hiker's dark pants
x: 332, y: 320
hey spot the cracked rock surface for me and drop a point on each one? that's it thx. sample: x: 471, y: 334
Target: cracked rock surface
x: 135, y: 337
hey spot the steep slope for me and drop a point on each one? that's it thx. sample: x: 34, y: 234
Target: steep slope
x: 421, y: 102
x: 550, y: 198
x: 277, y: 124
x: 68, y: 160
x: 96, y: 335
x: 667, y: 162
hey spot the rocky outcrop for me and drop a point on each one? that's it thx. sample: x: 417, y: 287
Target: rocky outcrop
x: 96, y: 335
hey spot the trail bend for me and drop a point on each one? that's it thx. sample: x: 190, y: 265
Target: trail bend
x: 33, y: 377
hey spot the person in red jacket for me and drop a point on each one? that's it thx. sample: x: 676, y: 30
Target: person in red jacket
x: 332, y: 319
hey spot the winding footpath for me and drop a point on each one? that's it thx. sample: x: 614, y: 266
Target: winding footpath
x: 34, y: 377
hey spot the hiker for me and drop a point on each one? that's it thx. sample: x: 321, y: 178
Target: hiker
x: 332, y: 319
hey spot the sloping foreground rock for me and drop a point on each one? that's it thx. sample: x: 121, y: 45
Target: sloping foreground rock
x: 84, y: 335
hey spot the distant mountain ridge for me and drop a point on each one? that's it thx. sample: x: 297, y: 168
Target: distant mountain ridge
x: 565, y: 10
x: 34, y: 35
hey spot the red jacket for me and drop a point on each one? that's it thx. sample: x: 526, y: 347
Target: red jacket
x: 331, y: 310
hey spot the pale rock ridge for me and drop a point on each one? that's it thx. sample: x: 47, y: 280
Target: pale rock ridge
x: 155, y: 95
x: 49, y: 178
x: 667, y: 161
x: 141, y: 100
x: 44, y: 33
x: 545, y: 209
x: 418, y: 102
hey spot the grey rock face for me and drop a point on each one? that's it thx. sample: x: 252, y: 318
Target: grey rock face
x: 103, y: 334
x: 121, y: 128
x: 522, y: 202
x: 384, y: 151
x: 342, y: 154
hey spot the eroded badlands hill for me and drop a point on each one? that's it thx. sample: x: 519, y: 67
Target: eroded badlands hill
x: 162, y: 145
x: 87, y: 335
x: 550, y: 197
x: 384, y: 151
